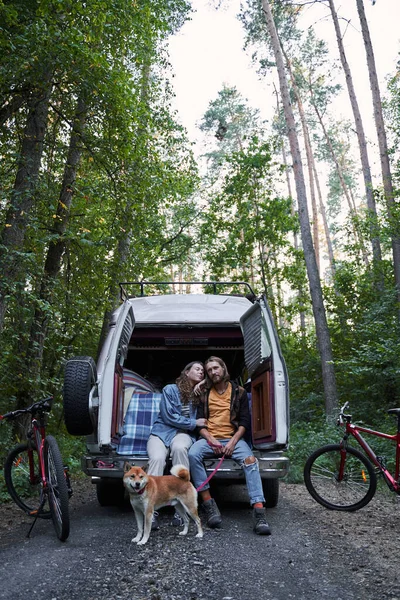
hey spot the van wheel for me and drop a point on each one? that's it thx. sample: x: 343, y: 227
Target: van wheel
x: 271, y: 492
x: 110, y: 492
x: 80, y: 376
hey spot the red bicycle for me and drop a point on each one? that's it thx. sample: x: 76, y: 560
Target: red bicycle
x: 341, y: 477
x: 34, y: 472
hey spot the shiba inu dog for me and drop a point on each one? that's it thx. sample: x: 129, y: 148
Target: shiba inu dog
x: 147, y: 493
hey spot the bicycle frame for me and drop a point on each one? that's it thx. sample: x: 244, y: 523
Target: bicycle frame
x: 39, y: 432
x: 355, y: 431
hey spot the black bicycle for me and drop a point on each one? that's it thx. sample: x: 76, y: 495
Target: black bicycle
x: 34, y: 472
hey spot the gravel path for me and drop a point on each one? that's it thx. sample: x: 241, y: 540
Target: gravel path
x: 312, y: 554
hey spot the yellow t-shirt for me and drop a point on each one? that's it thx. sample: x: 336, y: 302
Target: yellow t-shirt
x: 219, y: 414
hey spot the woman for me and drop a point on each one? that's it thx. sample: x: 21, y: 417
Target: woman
x: 173, y: 431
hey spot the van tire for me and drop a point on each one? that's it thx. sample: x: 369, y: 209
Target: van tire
x: 271, y: 492
x: 80, y: 376
x: 110, y: 492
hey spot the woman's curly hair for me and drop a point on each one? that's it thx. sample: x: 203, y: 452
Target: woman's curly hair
x: 184, y: 386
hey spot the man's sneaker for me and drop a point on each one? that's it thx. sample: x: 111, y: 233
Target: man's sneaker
x: 213, y: 516
x: 177, y: 520
x: 154, y: 522
x: 261, y: 526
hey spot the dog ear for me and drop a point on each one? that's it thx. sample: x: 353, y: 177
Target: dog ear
x: 127, y: 466
x: 145, y: 468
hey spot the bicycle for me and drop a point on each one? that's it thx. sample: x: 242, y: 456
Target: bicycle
x: 34, y: 472
x: 341, y: 477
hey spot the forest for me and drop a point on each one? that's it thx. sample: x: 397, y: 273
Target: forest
x: 100, y: 184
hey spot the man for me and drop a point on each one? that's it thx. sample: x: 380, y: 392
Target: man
x: 226, y: 410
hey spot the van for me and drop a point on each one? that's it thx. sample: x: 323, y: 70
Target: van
x: 152, y: 335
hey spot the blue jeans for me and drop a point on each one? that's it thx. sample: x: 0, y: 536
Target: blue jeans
x: 201, y: 450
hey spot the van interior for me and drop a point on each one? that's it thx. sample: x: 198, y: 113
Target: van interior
x: 160, y: 354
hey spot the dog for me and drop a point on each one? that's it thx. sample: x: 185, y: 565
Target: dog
x: 147, y: 493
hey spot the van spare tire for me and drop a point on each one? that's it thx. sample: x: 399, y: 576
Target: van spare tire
x: 80, y: 376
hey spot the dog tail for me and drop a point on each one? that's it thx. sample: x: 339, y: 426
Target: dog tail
x: 180, y: 471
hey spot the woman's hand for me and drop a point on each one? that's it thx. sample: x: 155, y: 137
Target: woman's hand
x: 201, y: 422
x: 198, y: 388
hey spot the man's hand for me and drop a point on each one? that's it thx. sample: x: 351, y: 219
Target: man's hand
x: 229, y: 448
x: 201, y: 422
x: 215, y: 445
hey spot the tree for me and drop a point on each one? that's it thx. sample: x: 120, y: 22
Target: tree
x: 362, y: 142
x: 23, y: 195
x: 383, y: 148
x: 322, y: 331
x: 92, y: 211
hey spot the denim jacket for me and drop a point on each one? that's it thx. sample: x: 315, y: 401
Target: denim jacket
x: 170, y: 420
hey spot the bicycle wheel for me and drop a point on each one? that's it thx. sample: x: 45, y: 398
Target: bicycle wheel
x: 24, y: 489
x: 356, y: 486
x: 57, y: 487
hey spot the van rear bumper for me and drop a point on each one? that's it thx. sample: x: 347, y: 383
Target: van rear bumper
x: 273, y: 465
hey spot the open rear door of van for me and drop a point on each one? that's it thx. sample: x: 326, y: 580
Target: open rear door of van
x: 269, y: 381
x: 110, y: 363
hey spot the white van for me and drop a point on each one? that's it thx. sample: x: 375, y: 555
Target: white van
x: 150, y: 340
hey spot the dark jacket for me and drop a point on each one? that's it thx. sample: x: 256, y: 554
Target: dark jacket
x: 240, y: 414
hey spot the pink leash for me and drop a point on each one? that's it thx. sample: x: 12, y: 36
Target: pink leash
x: 215, y: 470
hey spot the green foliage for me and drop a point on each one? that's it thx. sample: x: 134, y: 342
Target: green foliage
x: 130, y: 212
x: 232, y: 122
x: 305, y: 437
x: 72, y: 449
x: 245, y: 222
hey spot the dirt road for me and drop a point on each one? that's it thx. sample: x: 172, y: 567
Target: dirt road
x: 312, y: 554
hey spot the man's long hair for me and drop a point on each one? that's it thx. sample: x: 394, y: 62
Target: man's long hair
x: 226, y: 377
x: 184, y: 387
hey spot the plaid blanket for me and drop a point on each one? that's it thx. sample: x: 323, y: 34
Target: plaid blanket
x: 140, y: 416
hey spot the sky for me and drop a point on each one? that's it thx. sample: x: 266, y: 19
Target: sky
x: 208, y: 52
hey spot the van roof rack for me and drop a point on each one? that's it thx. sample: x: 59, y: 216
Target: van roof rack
x: 124, y: 294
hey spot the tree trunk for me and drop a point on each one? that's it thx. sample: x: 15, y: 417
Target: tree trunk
x: 321, y: 325
x: 322, y: 210
x: 10, y: 107
x: 310, y: 160
x: 383, y: 148
x: 346, y: 191
x: 22, y: 198
x: 57, y: 245
x: 362, y: 143
x: 300, y: 293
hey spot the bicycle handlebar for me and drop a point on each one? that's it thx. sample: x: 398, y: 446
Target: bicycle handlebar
x: 341, y: 413
x: 37, y: 407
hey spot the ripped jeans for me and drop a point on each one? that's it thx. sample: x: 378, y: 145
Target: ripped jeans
x: 201, y: 450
